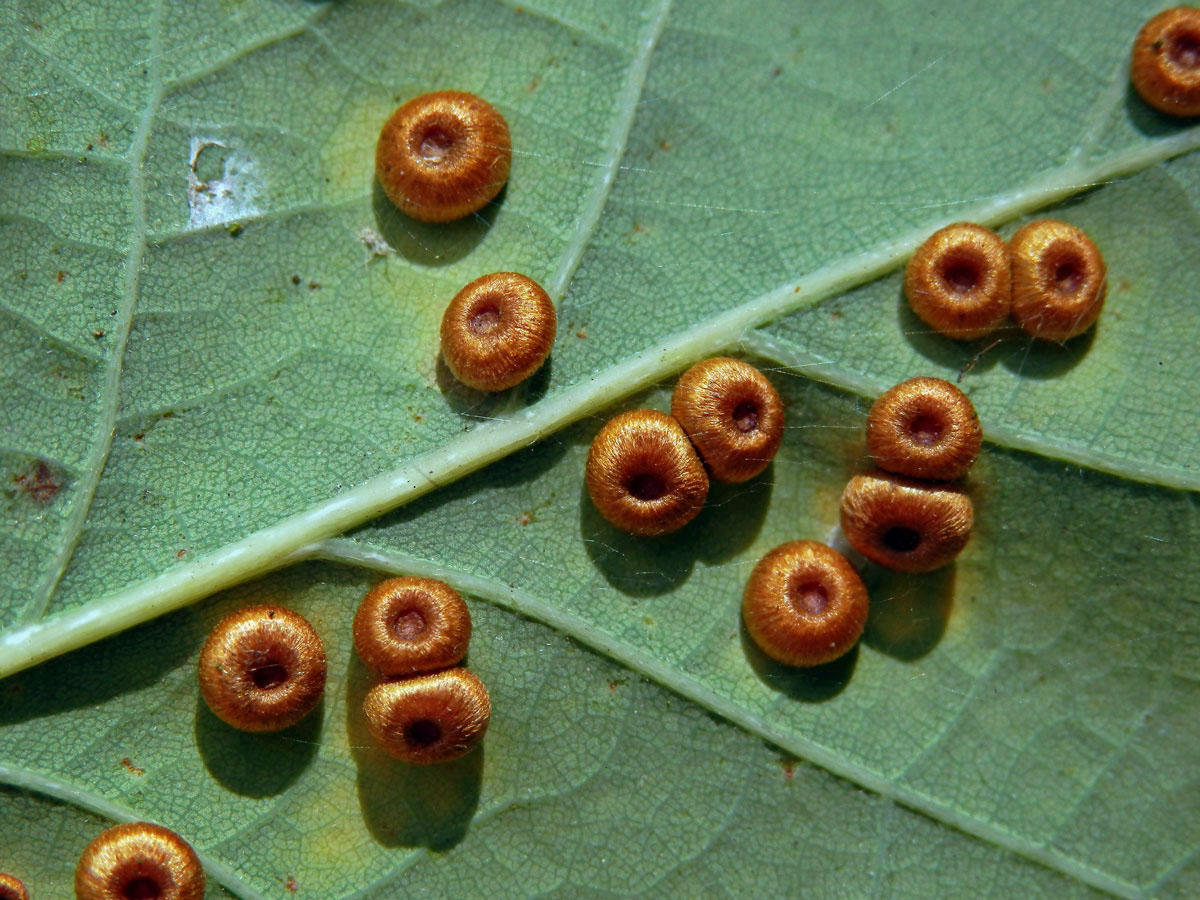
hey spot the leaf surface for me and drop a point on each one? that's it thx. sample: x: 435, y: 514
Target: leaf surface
x: 220, y: 360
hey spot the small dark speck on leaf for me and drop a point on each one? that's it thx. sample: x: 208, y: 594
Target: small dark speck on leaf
x: 98, y: 333
x: 127, y: 764
x: 526, y: 518
x: 788, y: 765
x: 60, y: 276
x: 291, y: 884
x: 314, y: 285
x: 664, y: 146
x: 181, y: 554
x: 581, y: 334
x: 295, y: 279
x: 235, y: 230
x: 777, y: 71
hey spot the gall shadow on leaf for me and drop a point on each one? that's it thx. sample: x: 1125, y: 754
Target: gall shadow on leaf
x: 635, y: 566
x: 732, y: 517
x: 941, y: 350
x: 808, y: 685
x: 125, y: 663
x: 256, y: 765
x: 1048, y: 359
x: 908, y: 613
x: 470, y: 403
x: 431, y: 243
x: 463, y: 400
x: 1149, y: 121
x: 405, y: 805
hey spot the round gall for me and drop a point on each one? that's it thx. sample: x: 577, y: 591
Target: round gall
x: 733, y: 416
x: 905, y: 525
x: 924, y: 428
x: 139, y: 860
x: 958, y: 281
x: 804, y: 604
x: 643, y: 474
x: 497, y: 331
x: 262, y: 669
x: 409, y: 625
x: 444, y: 155
x: 1165, y: 64
x: 429, y: 718
x: 1059, y: 280
x: 12, y: 888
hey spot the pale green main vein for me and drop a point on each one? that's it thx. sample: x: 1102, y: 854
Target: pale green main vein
x: 276, y: 545
x: 687, y: 686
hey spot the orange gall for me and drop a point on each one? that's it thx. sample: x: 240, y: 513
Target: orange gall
x: 444, y: 155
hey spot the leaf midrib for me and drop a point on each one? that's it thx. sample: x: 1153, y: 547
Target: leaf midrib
x: 276, y: 545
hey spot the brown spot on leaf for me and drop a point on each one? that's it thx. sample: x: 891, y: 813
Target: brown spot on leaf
x: 39, y: 485
x: 128, y: 766
x: 788, y: 765
x: 291, y: 884
x: 60, y: 276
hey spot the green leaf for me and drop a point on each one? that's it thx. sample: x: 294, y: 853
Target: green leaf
x: 221, y: 375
